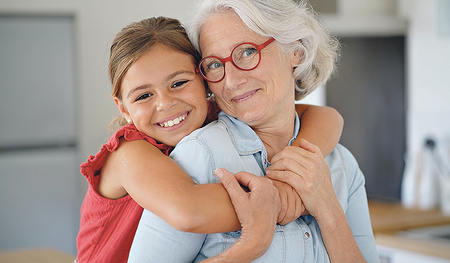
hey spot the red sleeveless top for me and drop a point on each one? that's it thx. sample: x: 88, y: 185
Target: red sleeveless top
x: 107, y: 226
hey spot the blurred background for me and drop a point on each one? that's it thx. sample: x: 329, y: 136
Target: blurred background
x: 392, y: 88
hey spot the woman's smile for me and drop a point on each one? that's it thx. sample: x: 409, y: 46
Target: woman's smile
x: 244, y: 97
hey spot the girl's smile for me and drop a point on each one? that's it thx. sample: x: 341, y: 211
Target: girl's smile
x: 173, y: 121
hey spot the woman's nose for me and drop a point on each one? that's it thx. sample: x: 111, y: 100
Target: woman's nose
x: 233, y: 76
x: 165, y: 101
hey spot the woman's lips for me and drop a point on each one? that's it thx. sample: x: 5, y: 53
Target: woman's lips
x: 244, y: 97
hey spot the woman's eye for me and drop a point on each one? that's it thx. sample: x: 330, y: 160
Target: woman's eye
x: 179, y: 83
x: 247, y: 52
x: 214, y: 65
x: 143, y: 96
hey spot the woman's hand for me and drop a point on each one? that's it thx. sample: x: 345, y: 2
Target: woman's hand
x: 257, y: 210
x: 291, y: 203
x: 305, y: 169
x: 259, y: 207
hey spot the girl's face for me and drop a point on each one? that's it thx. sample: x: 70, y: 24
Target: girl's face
x: 163, y: 96
x: 259, y: 96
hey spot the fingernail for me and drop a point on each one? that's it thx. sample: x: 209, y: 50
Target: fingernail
x: 219, y: 172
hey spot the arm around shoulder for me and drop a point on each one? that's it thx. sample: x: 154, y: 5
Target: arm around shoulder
x: 320, y: 125
x: 159, y: 185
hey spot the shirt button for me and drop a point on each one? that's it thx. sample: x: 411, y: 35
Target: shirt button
x: 306, y: 234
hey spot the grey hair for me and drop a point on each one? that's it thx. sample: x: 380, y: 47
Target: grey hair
x: 295, y: 26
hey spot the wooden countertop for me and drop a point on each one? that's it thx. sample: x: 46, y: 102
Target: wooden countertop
x: 44, y: 255
x: 389, y: 219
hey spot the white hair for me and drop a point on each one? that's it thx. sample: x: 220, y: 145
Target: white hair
x: 295, y: 26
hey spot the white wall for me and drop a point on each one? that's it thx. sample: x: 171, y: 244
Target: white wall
x: 428, y: 81
x: 426, y: 25
x: 96, y: 24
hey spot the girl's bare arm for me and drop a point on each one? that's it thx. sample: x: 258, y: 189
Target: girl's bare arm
x: 159, y: 185
x: 320, y: 125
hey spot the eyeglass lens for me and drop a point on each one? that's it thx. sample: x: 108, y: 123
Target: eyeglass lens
x: 244, y: 56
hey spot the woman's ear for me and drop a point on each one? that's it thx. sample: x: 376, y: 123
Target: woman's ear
x: 297, y: 57
x: 122, y: 109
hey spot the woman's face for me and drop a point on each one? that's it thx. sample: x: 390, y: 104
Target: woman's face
x: 163, y: 96
x: 256, y: 97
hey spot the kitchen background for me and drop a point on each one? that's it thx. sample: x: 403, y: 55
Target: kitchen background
x: 392, y: 88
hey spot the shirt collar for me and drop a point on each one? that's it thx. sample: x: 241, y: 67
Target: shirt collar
x: 296, y: 129
x: 246, y: 141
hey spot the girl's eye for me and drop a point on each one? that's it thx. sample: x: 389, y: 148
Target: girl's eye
x: 144, y: 96
x: 179, y: 83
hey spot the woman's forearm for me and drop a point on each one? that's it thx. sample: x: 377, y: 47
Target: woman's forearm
x: 338, y: 238
x: 312, y: 181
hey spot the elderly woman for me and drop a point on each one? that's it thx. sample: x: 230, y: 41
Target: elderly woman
x: 259, y: 56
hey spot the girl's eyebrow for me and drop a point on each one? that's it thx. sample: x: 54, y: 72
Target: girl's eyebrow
x: 176, y: 73
x: 138, y: 88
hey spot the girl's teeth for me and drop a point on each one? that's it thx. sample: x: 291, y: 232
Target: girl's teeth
x: 173, y: 122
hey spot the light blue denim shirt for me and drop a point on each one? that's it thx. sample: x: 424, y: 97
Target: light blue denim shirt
x: 230, y: 143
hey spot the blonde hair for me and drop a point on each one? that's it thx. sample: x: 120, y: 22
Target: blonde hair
x: 138, y: 38
x: 295, y: 26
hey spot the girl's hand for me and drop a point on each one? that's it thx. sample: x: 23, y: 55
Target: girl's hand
x: 305, y: 169
x: 291, y: 203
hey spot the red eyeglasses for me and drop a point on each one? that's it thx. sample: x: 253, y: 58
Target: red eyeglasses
x: 245, y: 56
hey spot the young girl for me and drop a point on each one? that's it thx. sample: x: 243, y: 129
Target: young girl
x: 162, y: 99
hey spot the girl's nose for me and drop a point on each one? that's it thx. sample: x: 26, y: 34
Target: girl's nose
x: 165, y: 101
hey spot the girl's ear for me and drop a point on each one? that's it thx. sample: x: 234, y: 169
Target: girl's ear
x: 122, y: 109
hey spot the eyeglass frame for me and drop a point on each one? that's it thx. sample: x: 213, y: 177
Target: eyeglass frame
x: 230, y: 58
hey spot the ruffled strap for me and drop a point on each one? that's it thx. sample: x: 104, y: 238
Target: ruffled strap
x: 94, y: 164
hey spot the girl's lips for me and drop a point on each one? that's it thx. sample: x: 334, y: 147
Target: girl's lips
x: 244, y: 97
x: 173, y: 120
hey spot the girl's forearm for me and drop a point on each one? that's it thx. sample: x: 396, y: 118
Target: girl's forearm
x: 164, y: 189
x: 204, y: 208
